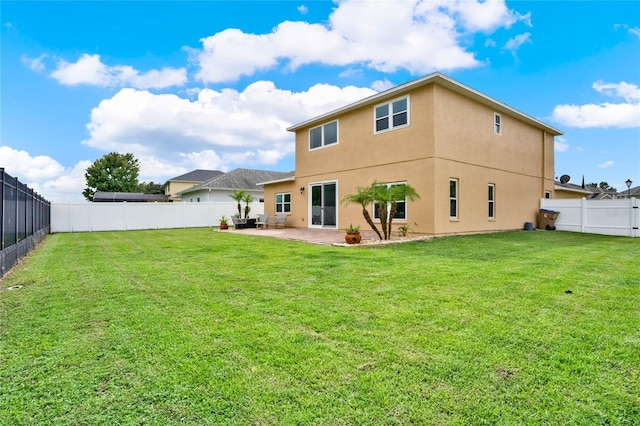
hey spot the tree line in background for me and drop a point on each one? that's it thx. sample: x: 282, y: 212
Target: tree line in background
x: 116, y: 172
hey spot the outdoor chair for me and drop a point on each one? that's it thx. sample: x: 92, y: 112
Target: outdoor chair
x: 281, y: 220
x: 238, y: 223
x: 263, y: 221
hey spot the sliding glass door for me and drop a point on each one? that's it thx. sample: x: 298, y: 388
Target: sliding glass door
x: 324, y: 205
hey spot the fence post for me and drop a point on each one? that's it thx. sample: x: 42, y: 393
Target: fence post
x: 583, y: 215
x: 634, y: 214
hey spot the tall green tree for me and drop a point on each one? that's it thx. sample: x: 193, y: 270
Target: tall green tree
x: 151, y: 188
x: 112, y: 172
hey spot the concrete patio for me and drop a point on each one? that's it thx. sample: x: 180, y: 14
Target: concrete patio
x: 319, y: 236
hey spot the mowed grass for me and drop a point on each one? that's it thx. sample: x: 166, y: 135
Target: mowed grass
x: 196, y: 326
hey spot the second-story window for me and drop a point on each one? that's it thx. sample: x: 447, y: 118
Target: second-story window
x: 324, y: 135
x: 392, y: 114
x: 497, y: 124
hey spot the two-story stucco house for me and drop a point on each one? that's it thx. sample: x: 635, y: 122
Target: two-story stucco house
x: 477, y: 164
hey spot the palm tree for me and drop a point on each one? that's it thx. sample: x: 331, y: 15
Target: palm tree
x: 247, y: 198
x: 399, y: 193
x: 238, y: 195
x: 363, y: 198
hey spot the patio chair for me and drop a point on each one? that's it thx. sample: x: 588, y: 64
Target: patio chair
x: 263, y: 221
x: 281, y: 220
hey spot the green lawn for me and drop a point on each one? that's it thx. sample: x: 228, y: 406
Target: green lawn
x: 196, y: 326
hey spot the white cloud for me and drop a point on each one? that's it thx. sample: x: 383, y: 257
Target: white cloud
x: 622, y: 115
x: 89, y: 69
x: 27, y: 168
x: 635, y: 31
x: 219, y: 130
x: 381, y: 85
x: 606, y: 164
x: 418, y: 36
x: 303, y: 9
x: 561, y: 144
x: 45, y: 175
x: 35, y: 64
x: 630, y: 92
x: 516, y: 42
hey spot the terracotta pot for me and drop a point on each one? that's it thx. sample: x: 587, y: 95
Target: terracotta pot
x: 224, y: 226
x: 353, y: 238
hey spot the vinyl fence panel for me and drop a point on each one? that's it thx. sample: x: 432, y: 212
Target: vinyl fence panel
x: 90, y: 217
x: 607, y: 217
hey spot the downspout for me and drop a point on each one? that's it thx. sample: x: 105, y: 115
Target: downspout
x: 544, y: 161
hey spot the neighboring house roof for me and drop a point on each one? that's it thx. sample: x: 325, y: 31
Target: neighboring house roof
x: 247, y: 179
x: 442, y: 80
x: 131, y: 197
x: 198, y: 175
x: 571, y: 188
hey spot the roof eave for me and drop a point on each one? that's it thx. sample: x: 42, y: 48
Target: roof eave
x: 287, y: 179
x: 440, y: 79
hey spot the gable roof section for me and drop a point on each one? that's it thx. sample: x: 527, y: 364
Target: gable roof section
x: 435, y: 78
x: 198, y: 175
x: 247, y: 179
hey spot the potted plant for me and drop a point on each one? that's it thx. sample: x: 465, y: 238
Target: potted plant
x: 353, y: 235
x: 224, y: 222
x: 404, y: 230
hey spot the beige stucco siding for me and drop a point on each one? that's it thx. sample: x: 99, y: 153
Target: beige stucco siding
x: 449, y: 135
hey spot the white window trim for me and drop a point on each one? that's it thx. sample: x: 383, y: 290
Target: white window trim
x: 390, y: 104
x: 283, y: 202
x: 491, y: 201
x: 497, y: 124
x: 323, y: 145
x: 456, y: 198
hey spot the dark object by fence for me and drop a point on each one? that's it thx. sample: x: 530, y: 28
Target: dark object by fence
x: 25, y: 221
x: 547, y: 219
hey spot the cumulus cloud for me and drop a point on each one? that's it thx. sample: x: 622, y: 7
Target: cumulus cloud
x: 89, y: 69
x: 606, y: 164
x: 418, y: 36
x: 45, y: 175
x: 303, y: 9
x: 622, y: 115
x: 171, y: 135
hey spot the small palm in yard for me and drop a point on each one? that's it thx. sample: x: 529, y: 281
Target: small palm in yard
x: 385, y: 199
x: 363, y: 197
x: 238, y: 195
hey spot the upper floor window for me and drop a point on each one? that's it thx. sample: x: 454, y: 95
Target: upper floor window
x: 392, y: 114
x: 497, y: 124
x: 547, y: 194
x: 324, y: 135
x: 283, y: 202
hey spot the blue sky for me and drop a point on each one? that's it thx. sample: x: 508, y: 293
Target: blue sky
x: 214, y: 85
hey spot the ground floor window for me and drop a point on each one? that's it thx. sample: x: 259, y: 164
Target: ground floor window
x: 491, y: 196
x: 283, y: 202
x: 401, y: 211
x: 453, y: 198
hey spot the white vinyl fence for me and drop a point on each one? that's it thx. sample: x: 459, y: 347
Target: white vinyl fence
x: 607, y: 217
x: 89, y: 217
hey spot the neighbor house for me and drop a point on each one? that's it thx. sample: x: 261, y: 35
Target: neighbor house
x: 219, y: 189
x: 188, y: 180
x: 479, y: 165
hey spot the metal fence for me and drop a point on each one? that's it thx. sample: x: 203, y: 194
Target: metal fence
x: 26, y: 218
